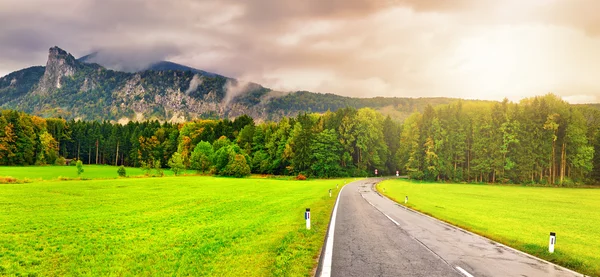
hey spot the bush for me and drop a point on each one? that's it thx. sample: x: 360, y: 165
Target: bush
x: 79, y: 167
x: 40, y: 160
x: 146, y: 167
x: 416, y: 175
x: 158, y: 168
x: 301, y: 177
x: 8, y: 180
x: 60, y: 161
x: 238, y: 167
x: 122, y: 172
x: 568, y: 182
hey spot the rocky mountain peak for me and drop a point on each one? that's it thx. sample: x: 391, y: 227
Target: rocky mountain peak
x: 60, y: 64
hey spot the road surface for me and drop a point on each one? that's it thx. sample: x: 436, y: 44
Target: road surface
x: 374, y: 236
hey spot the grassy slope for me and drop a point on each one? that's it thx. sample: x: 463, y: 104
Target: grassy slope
x: 521, y: 217
x: 53, y: 172
x: 163, y: 226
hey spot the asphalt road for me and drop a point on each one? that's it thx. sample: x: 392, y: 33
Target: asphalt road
x: 374, y: 236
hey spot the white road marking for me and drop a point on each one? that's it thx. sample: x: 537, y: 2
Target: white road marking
x: 464, y: 271
x: 326, y: 270
x: 395, y: 222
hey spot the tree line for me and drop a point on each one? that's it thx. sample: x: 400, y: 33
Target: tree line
x: 347, y: 142
x: 538, y: 140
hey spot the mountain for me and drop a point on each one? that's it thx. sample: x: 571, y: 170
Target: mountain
x: 77, y: 88
x: 157, y: 66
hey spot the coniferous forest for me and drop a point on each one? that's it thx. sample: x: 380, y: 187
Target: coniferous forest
x: 538, y: 140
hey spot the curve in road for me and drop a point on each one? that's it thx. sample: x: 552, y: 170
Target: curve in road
x: 370, y: 235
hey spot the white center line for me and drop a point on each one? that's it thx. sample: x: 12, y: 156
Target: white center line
x: 326, y: 270
x: 464, y: 271
x: 397, y: 224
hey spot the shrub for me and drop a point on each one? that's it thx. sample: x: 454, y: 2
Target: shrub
x: 146, y: 167
x: 238, y: 167
x: 301, y: 177
x: 60, y: 161
x: 416, y: 175
x: 122, y: 172
x: 568, y: 182
x: 40, y: 160
x: 79, y: 167
x: 8, y: 180
x: 158, y: 168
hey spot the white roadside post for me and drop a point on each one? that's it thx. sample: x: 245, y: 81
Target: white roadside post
x: 375, y: 172
x: 406, y: 199
x: 329, y: 192
x: 337, y: 186
x: 307, y: 217
x: 552, y: 242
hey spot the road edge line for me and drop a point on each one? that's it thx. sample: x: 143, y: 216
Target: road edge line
x: 488, y: 239
x: 464, y: 272
x: 324, y: 267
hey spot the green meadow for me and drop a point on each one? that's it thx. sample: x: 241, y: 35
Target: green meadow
x: 521, y: 217
x: 54, y: 172
x: 194, y: 225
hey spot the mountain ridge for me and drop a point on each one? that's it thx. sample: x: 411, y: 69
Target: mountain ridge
x: 77, y: 88
x: 92, y: 58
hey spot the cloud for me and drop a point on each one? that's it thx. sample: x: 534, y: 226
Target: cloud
x: 234, y: 88
x: 132, y: 59
x: 406, y: 48
x: 194, y: 83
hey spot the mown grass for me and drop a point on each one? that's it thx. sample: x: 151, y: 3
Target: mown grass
x: 199, y: 226
x: 54, y: 172
x: 521, y: 217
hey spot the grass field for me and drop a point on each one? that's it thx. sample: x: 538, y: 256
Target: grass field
x: 199, y: 226
x: 521, y: 217
x: 54, y: 172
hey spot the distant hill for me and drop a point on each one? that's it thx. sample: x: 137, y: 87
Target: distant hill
x: 166, y: 91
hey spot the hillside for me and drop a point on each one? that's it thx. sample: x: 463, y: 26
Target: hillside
x: 76, y: 88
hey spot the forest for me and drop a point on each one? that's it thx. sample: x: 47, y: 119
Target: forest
x: 541, y: 140
x: 538, y: 140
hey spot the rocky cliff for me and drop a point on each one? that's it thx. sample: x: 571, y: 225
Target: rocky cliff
x: 60, y: 64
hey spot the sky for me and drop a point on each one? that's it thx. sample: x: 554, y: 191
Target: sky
x: 474, y: 49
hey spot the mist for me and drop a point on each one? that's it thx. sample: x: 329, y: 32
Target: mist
x: 235, y: 88
x: 132, y: 58
x: 194, y: 83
